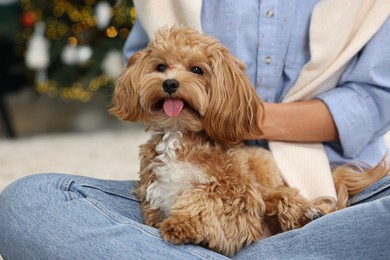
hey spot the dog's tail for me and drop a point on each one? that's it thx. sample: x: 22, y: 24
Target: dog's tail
x: 350, y: 179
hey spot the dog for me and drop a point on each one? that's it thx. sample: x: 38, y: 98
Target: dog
x: 199, y: 183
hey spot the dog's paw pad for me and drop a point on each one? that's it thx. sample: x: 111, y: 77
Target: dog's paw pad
x: 178, y: 232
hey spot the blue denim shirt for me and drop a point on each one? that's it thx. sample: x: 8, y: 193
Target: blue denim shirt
x: 271, y: 37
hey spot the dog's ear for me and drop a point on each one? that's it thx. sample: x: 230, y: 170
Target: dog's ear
x: 234, y: 109
x: 133, y: 58
x: 125, y: 97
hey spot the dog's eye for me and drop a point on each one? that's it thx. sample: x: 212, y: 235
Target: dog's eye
x: 196, y: 70
x: 161, y: 67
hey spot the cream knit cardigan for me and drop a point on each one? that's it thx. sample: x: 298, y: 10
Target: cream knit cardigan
x: 338, y: 30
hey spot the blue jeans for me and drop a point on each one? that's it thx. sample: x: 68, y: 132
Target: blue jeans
x: 57, y: 216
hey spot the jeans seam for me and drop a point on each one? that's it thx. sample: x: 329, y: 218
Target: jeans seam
x: 65, y: 186
x: 120, y: 194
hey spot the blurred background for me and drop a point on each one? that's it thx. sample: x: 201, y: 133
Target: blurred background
x: 59, y: 61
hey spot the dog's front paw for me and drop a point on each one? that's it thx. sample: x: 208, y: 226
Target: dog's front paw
x: 313, y: 213
x: 306, y: 216
x: 179, y: 231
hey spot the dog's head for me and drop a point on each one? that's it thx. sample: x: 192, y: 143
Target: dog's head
x: 187, y: 81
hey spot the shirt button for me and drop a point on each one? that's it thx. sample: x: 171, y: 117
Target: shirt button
x: 267, y: 60
x: 269, y: 13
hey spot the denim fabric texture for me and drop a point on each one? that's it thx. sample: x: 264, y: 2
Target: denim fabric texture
x: 59, y: 216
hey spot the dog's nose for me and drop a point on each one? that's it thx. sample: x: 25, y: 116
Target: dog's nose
x: 170, y: 85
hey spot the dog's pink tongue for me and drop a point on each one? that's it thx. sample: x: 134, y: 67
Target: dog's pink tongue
x: 173, y: 107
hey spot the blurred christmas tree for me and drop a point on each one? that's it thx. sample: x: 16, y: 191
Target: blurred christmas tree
x: 13, y: 71
x: 65, y: 48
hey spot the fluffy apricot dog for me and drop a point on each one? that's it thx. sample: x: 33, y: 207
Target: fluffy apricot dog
x: 198, y: 182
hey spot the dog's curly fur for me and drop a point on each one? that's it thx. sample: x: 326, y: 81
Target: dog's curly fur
x: 198, y: 182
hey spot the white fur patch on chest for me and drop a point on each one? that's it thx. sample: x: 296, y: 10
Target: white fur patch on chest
x: 173, y: 177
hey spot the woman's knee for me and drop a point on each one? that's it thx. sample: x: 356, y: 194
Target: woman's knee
x: 28, y: 193
x: 21, y: 202
x: 29, y: 185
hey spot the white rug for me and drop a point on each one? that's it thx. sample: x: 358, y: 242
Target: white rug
x: 106, y: 155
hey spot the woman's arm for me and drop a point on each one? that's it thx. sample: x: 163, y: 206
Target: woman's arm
x: 354, y: 113
x: 305, y: 121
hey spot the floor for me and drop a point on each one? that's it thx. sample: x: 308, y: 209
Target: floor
x: 67, y: 137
